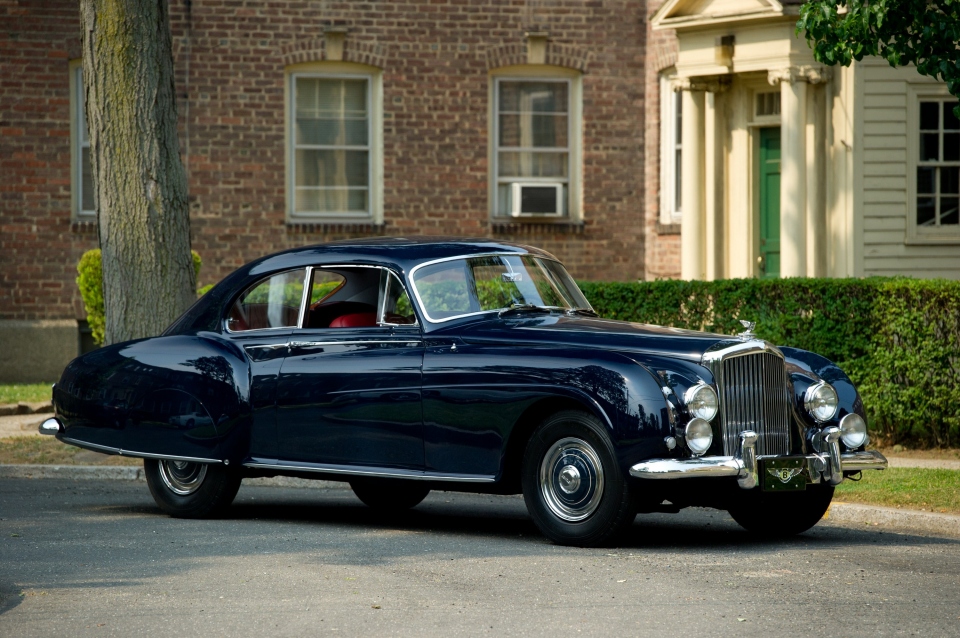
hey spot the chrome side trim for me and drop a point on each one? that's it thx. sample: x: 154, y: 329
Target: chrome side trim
x: 855, y: 461
x: 361, y: 470
x: 51, y: 427
x: 319, y: 344
x: 140, y: 455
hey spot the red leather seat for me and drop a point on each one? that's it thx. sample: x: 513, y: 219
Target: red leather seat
x: 355, y: 320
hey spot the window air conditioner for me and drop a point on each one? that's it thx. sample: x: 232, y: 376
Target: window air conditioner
x: 536, y: 199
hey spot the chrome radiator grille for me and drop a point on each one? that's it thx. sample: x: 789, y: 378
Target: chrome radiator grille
x: 754, y: 396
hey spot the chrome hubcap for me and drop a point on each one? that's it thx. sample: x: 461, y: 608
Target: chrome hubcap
x: 182, y: 477
x: 571, y: 479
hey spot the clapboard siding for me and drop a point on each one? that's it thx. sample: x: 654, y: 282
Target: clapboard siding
x: 886, y: 134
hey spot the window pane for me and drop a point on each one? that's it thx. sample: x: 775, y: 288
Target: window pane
x: 926, y: 180
x: 532, y: 164
x: 272, y: 303
x: 926, y: 207
x: 331, y: 132
x: 324, y: 97
x: 950, y: 121
x: 332, y: 167
x: 324, y: 284
x: 444, y: 290
x: 948, y: 211
x: 951, y: 147
x: 86, y: 181
x: 929, y: 116
x: 529, y: 130
x: 929, y: 147
x: 396, y: 304
x: 949, y: 181
x: 331, y: 200
x: 537, y: 97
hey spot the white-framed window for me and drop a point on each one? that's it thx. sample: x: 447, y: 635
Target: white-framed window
x: 334, y: 144
x: 535, y: 149
x: 81, y: 171
x: 671, y: 152
x: 933, y: 207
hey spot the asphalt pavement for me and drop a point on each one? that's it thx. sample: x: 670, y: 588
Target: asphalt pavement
x: 97, y: 558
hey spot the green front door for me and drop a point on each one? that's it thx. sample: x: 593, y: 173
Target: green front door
x: 769, y: 182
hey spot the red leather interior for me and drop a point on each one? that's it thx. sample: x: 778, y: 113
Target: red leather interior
x: 355, y: 320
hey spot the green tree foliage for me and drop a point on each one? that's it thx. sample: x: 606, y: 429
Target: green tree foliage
x: 924, y: 33
x: 898, y: 339
x: 90, y: 282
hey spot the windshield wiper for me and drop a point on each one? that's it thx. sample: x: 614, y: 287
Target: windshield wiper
x: 527, y: 307
x: 582, y: 311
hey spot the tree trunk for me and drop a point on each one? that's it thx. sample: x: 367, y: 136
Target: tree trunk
x: 141, y: 188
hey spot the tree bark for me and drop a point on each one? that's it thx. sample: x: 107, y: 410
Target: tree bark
x: 141, y: 187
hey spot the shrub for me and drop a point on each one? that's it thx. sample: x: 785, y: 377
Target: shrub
x: 898, y: 339
x: 90, y: 282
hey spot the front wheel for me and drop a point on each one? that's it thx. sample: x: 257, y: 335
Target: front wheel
x: 572, y: 485
x: 781, y: 515
x: 389, y: 495
x: 190, y: 490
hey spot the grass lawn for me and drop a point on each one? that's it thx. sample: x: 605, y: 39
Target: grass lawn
x: 912, y: 488
x: 26, y: 392
x: 46, y: 450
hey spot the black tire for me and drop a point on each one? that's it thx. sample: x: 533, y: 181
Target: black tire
x: 389, y: 495
x: 770, y: 515
x: 191, y: 490
x: 572, y: 485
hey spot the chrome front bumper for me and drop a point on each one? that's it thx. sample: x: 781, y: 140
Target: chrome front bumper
x: 830, y: 464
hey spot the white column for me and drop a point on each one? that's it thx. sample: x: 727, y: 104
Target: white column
x: 713, y: 186
x: 692, y: 244
x: 816, y: 177
x: 793, y: 175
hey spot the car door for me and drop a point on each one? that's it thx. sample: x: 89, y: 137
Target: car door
x: 260, y: 322
x: 349, y: 388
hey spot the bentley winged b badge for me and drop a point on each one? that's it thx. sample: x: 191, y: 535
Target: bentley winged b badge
x: 784, y: 474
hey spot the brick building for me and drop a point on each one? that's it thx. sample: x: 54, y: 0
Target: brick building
x: 311, y: 120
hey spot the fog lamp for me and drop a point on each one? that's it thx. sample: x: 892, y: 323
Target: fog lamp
x: 853, y: 431
x: 821, y: 402
x: 701, y: 401
x: 699, y: 436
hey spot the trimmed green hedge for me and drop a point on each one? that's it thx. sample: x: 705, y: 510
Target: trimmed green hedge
x: 90, y: 282
x: 898, y: 339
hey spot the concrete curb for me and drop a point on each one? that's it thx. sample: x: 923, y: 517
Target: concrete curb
x: 873, y: 516
x: 10, y: 409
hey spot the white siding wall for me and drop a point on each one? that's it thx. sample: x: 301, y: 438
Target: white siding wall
x: 885, y: 171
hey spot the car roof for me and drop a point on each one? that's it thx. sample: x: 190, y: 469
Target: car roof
x: 403, y: 252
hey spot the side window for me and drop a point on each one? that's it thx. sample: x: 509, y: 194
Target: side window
x: 395, y: 306
x: 273, y: 302
x: 343, y: 297
x: 445, y: 290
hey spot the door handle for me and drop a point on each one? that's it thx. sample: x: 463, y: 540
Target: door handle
x: 762, y: 264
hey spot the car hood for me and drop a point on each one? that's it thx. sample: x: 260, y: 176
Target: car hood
x: 607, y: 334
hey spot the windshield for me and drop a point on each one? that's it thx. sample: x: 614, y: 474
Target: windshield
x: 482, y: 284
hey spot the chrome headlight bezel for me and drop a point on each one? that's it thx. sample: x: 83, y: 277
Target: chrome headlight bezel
x: 702, y: 401
x: 853, y: 431
x: 698, y: 435
x: 817, y: 401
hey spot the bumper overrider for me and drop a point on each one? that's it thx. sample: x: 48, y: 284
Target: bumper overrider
x: 828, y: 465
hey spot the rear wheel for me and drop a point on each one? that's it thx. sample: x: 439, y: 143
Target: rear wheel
x: 781, y: 515
x: 191, y: 490
x: 389, y: 495
x: 572, y: 485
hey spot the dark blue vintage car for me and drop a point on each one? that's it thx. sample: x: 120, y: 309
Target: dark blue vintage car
x: 403, y: 366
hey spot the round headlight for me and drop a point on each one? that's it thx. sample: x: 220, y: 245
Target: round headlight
x: 702, y: 401
x: 699, y: 436
x: 853, y: 431
x: 821, y: 402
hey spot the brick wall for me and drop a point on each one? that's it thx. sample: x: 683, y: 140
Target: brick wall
x: 230, y: 59
x: 662, y: 241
